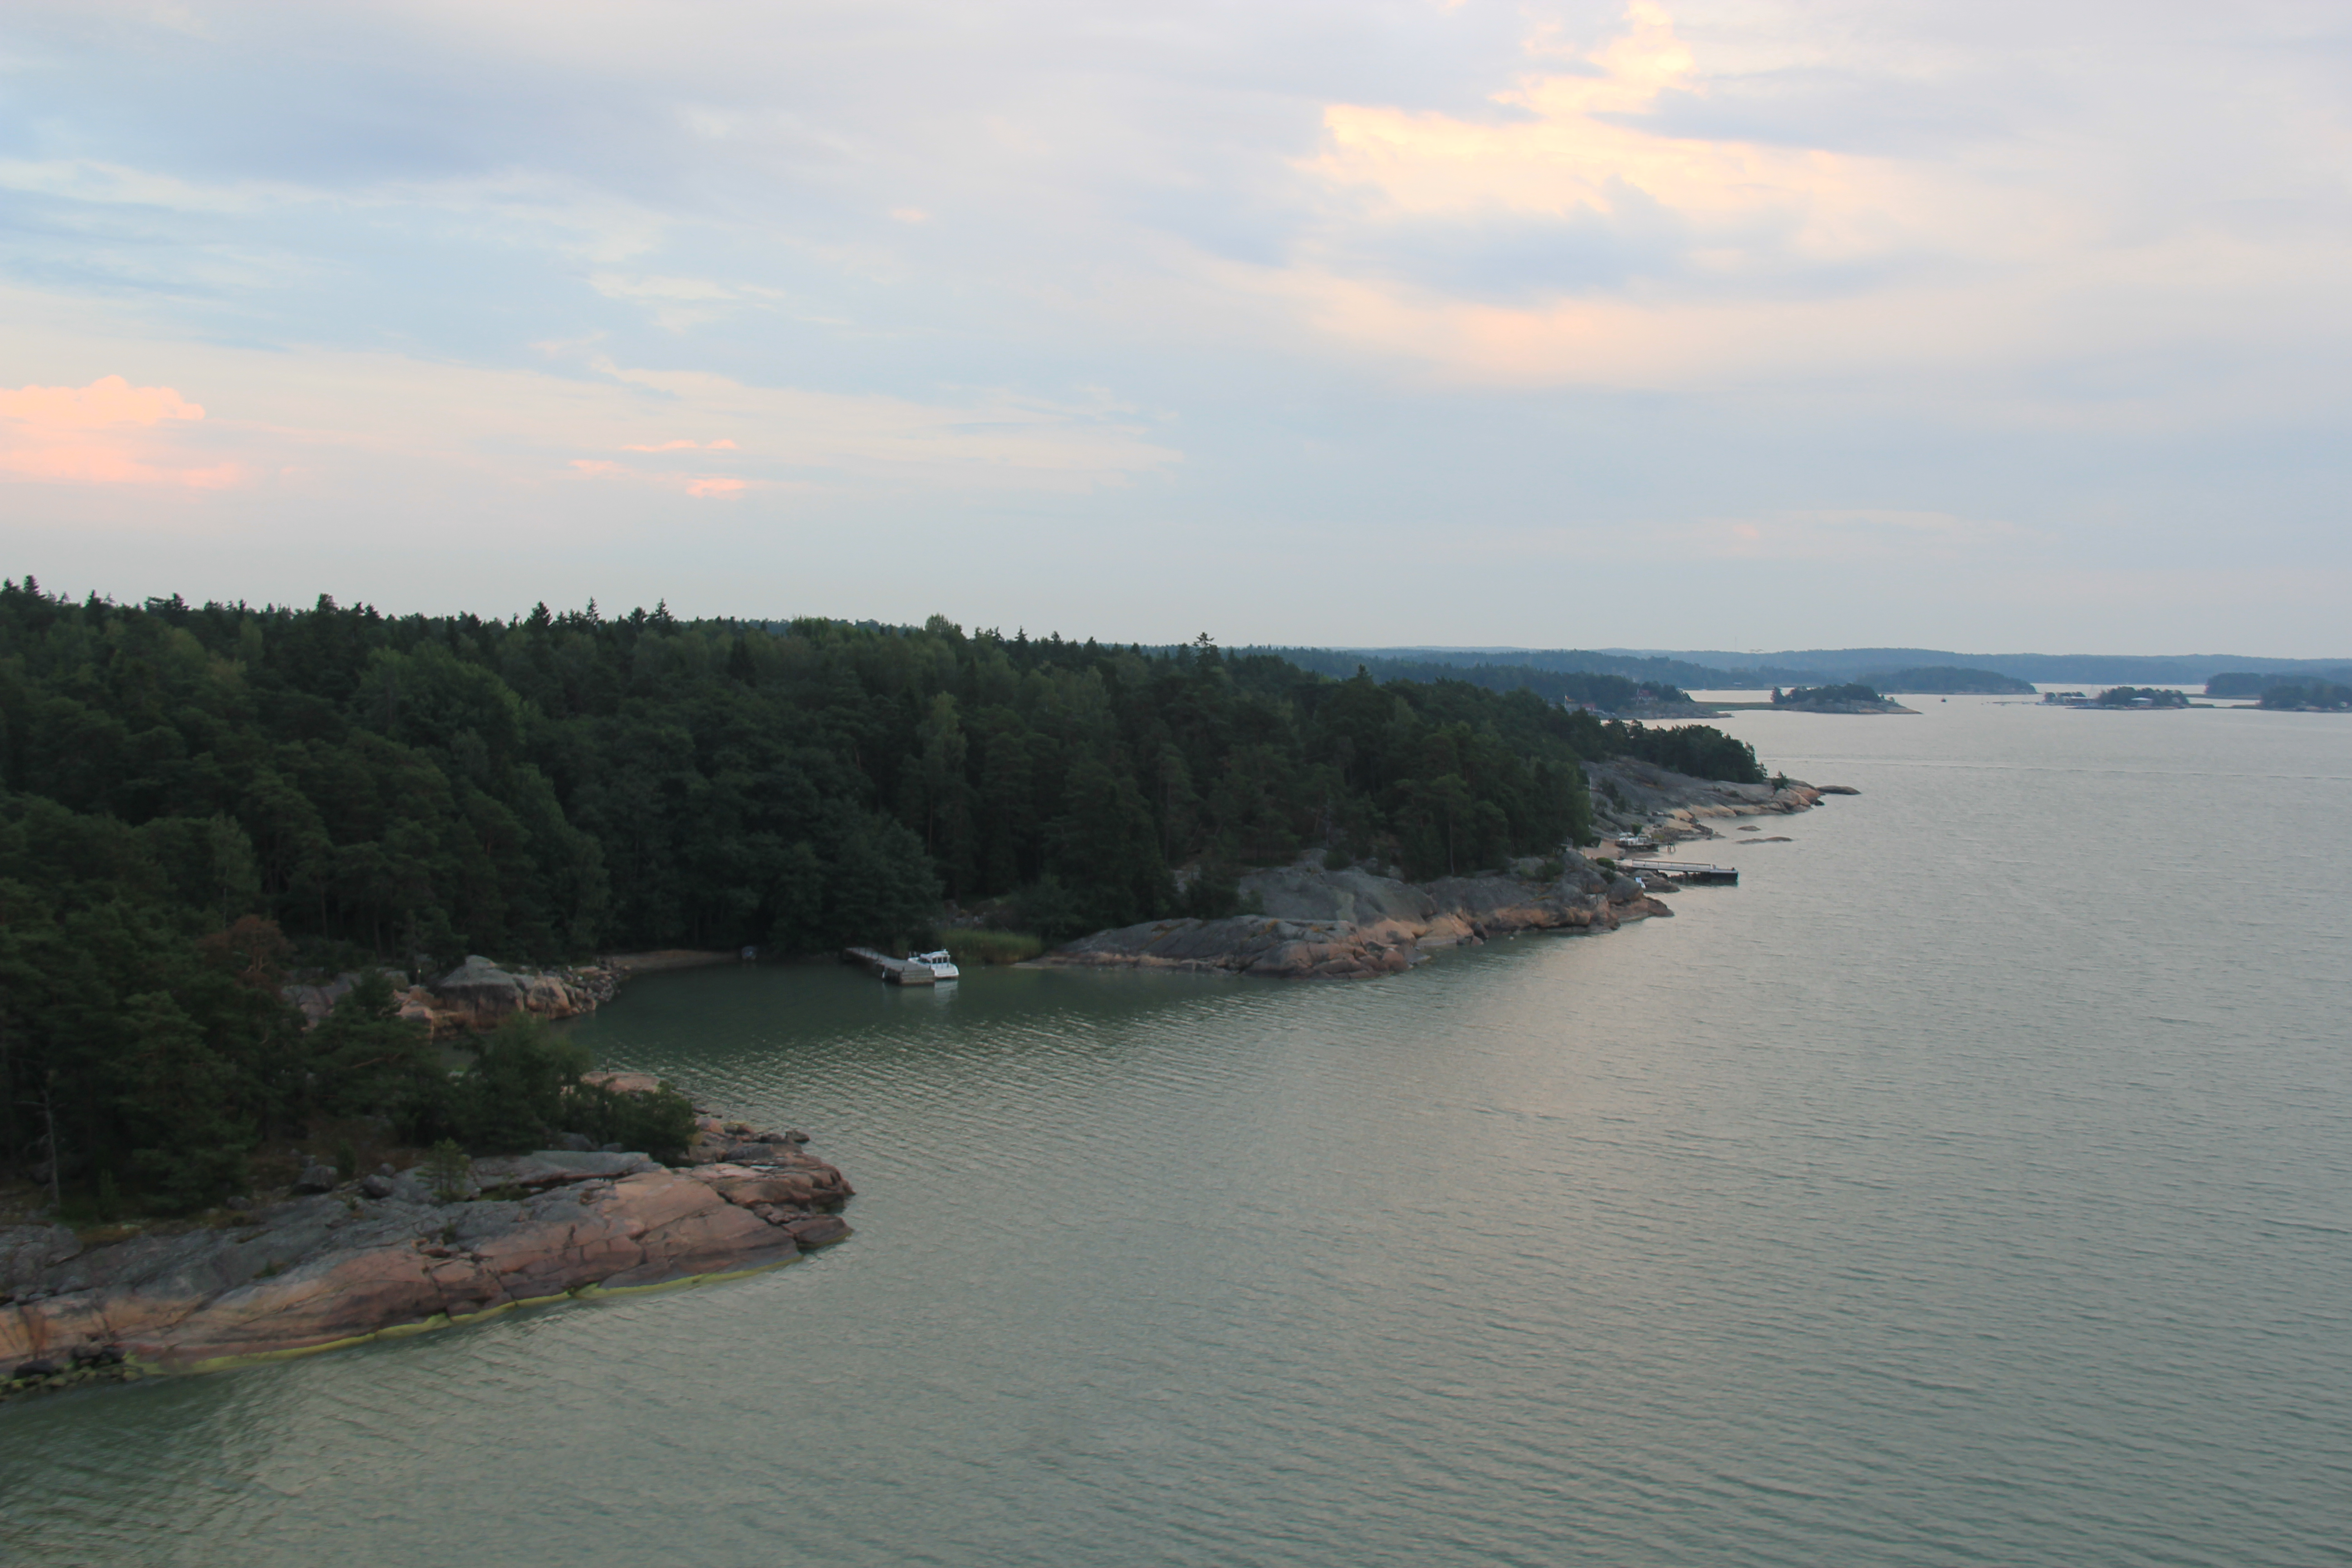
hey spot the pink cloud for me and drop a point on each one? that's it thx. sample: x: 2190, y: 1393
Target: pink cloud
x: 108, y: 400
x: 719, y: 446
x: 45, y: 436
x: 702, y: 485
x: 97, y: 465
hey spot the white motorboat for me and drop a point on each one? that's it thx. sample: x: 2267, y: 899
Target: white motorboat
x: 941, y: 967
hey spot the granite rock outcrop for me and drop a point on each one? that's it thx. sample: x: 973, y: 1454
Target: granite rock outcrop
x: 1358, y: 924
x: 389, y: 1255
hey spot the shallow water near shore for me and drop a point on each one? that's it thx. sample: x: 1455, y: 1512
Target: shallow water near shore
x: 1972, y: 1184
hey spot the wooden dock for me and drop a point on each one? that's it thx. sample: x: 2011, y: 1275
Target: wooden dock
x: 1682, y: 871
x: 889, y: 970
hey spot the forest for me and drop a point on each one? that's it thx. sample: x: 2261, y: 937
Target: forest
x: 1601, y: 691
x: 196, y: 800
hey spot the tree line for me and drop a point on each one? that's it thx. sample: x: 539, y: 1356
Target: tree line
x: 194, y: 797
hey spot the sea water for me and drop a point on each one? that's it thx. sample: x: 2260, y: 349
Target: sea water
x: 1972, y: 1184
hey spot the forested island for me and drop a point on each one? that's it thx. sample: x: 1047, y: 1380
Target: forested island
x: 1846, y: 697
x: 2327, y: 692
x: 2307, y: 695
x: 198, y: 801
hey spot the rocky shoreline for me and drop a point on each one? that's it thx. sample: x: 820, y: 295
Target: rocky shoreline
x: 471, y: 998
x: 1311, y: 923
x: 388, y: 1254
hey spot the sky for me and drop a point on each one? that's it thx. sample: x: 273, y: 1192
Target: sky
x: 1731, y: 323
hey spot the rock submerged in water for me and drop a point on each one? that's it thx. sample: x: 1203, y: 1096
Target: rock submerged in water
x: 383, y: 1254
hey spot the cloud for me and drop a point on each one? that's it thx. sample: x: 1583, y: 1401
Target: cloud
x: 48, y: 435
x: 108, y: 400
x: 701, y: 486
x: 1608, y: 228
x: 1381, y: 270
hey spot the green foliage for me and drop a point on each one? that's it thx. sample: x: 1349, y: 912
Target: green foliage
x: 1848, y: 691
x: 970, y: 946
x: 447, y: 1172
x: 526, y: 1089
x: 191, y: 797
x: 1574, y: 686
x: 1701, y: 751
x: 2146, y: 697
x: 1215, y: 891
x: 2324, y: 696
x: 347, y: 1159
x: 660, y: 1125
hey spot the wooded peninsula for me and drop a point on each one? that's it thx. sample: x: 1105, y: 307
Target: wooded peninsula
x: 196, y: 800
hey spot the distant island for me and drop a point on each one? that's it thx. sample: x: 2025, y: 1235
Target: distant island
x: 2308, y: 696
x: 2247, y: 684
x: 1949, y: 680
x: 1754, y: 670
x: 1847, y: 697
x: 2119, y: 697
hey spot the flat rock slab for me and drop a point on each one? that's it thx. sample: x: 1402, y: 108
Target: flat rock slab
x: 1352, y: 924
x: 322, y: 1270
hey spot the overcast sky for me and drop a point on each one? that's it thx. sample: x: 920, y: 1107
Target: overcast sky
x: 1741, y: 323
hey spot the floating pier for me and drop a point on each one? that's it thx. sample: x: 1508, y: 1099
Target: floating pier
x: 1681, y: 872
x: 892, y: 971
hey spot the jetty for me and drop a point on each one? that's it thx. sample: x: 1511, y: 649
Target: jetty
x: 892, y: 971
x: 1681, y: 872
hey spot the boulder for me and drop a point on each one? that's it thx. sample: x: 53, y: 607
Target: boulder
x: 479, y: 992
x: 315, y: 1178
x: 818, y: 1230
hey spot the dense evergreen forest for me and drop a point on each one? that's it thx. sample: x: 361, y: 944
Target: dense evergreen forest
x: 194, y: 799
x: 2321, y: 696
x: 1609, y: 693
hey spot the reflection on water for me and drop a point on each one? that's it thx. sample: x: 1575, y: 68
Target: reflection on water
x: 1969, y: 1184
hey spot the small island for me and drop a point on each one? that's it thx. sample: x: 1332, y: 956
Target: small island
x: 2120, y: 698
x: 1851, y: 697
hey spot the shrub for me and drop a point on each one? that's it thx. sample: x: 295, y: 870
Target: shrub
x: 1216, y: 892
x: 447, y: 1171
x: 980, y: 945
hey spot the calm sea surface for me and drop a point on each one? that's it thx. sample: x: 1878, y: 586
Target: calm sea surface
x: 1973, y: 1185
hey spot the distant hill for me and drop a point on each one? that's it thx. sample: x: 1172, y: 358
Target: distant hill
x: 2056, y: 669
x: 2247, y: 683
x: 1949, y: 680
x: 1675, y: 671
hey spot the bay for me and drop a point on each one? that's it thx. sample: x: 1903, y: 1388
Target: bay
x: 1973, y: 1183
